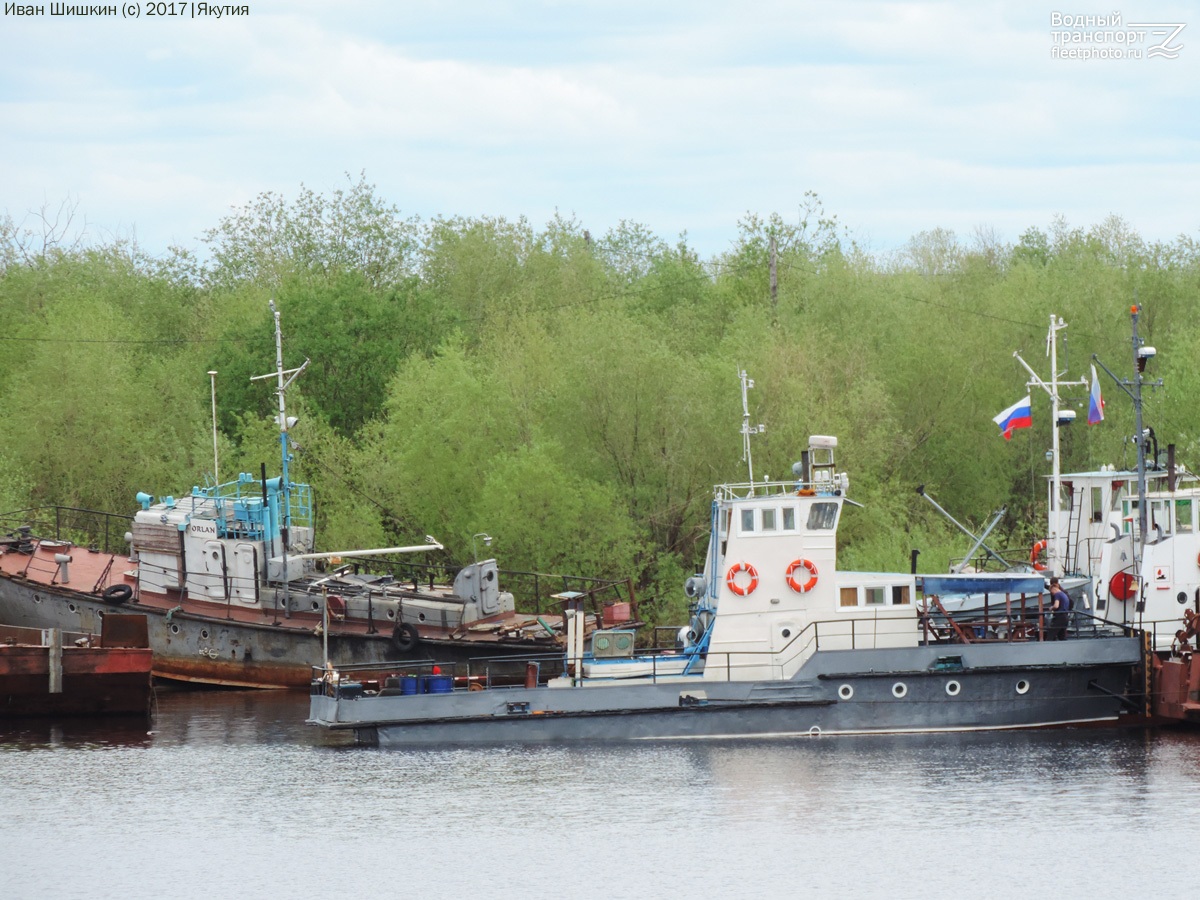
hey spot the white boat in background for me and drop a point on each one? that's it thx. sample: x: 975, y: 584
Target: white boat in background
x: 1133, y: 534
x: 1117, y: 565
x: 1139, y: 580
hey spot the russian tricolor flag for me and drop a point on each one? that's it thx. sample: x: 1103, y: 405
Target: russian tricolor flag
x: 1095, y: 401
x: 1019, y: 415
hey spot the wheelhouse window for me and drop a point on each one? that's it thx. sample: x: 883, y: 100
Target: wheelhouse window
x: 767, y: 519
x: 1160, y: 514
x: 1183, y: 516
x: 1129, y: 516
x: 822, y: 516
x: 849, y: 596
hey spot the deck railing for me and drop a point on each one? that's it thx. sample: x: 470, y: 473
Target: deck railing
x: 844, y: 634
x: 40, y: 637
x: 84, y: 527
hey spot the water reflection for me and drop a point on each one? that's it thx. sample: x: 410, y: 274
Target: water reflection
x: 232, y: 790
x: 78, y: 733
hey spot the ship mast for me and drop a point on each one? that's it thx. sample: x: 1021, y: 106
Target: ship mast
x: 1140, y: 355
x: 747, y: 428
x: 1133, y: 387
x: 1056, y: 325
x: 280, y: 374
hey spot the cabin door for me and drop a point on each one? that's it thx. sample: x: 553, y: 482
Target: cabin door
x: 212, y: 582
x: 243, y: 574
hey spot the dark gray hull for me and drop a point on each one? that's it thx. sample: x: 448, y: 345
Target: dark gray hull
x: 924, y: 689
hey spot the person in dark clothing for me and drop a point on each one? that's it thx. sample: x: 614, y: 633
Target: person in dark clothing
x: 1060, y: 607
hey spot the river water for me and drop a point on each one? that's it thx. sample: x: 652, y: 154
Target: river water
x: 230, y: 794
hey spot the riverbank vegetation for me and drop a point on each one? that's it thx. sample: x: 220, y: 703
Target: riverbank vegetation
x: 575, y: 395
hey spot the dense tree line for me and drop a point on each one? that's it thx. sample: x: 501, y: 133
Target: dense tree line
x: 576, y: 395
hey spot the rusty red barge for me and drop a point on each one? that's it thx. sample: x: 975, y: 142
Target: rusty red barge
x: 53, y: 673
x: 206, y: 572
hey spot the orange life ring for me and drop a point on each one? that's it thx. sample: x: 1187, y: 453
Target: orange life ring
x: 731, y: 578
x: 795, y: 585
x: 1035, y: 553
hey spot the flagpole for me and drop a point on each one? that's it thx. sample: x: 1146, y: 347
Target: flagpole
x: 1141, y: 355
x: 1056, y: 324
x: 1055, y: 505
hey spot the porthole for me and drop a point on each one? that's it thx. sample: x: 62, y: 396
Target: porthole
x: 420, y: 617
x: 952, y: 688
x: 391, y: 614
x: 204, y: 633
x: 37, y: 598
x: 174, y: 629
x: 899, y: 689
x: 787, y: 633
x: 315, y: 605
x: 1022, y: 686
x: 846, y: 691
x: 71, y: 607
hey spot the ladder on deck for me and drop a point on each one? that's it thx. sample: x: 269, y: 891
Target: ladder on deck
x: 1074, y: 515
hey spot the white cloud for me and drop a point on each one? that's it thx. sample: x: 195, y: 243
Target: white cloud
x: 902, y: 116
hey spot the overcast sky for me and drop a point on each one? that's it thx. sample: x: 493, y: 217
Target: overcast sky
x: 682, y: 116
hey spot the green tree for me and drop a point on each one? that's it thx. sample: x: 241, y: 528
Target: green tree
x: 351, y: 229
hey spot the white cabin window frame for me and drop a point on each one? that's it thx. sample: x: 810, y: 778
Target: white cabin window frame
x: 767, y: 520
x: 885, y: 595
x: 822, y: 516
x: 1129, y: 514
x: 1161, y: 513
x: 1185, y: 516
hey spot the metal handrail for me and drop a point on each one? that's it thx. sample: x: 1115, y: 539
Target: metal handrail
x: 70, y: 523
x: 487, y: 671
x: 21, y: 634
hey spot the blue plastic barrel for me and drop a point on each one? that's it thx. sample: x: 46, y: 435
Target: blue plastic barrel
x: 439, y: 684
x: 410, y: 685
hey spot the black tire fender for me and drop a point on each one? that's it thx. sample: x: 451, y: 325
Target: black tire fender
x: 405, y: 637
x: 117, y: 593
